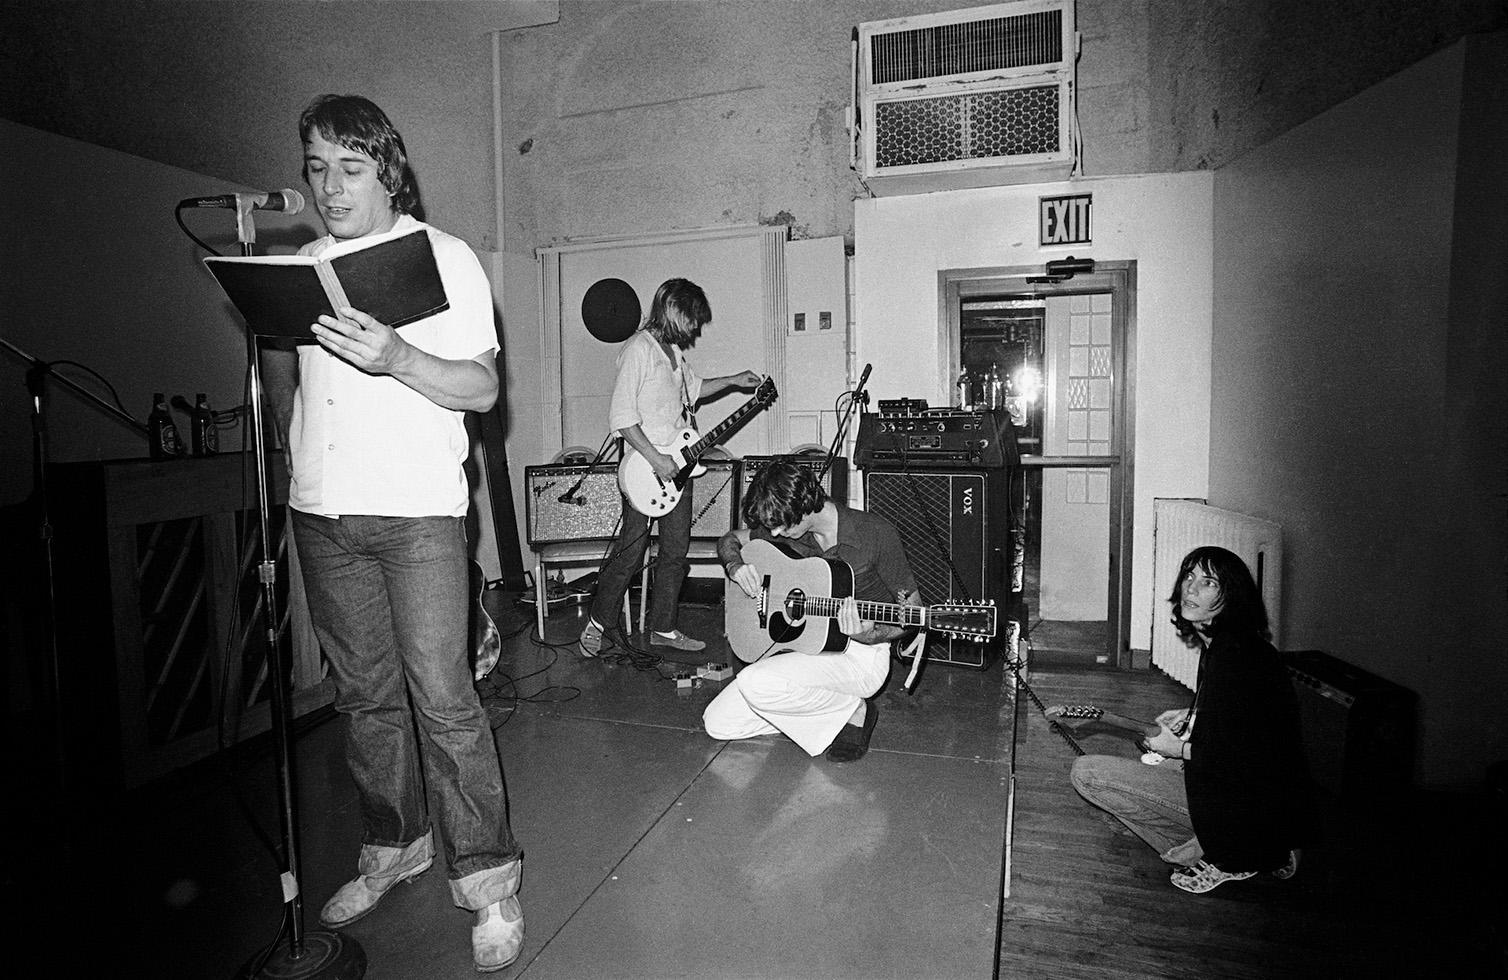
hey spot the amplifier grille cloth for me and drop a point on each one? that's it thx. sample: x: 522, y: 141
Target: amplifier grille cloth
x: 592, y: 513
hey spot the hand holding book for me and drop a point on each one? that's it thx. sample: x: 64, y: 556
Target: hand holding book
x: 392, y: 279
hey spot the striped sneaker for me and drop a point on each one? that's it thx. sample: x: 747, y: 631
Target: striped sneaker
x: 590, y: 642
x: 1202, y: 877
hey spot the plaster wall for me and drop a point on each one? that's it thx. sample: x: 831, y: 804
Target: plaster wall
x: 1357, y: 386
x: 1163, y: 223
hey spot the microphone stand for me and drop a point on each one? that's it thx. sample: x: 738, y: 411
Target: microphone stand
x: 317, y: 953
x: 38, y: 372
x: 861, y: 398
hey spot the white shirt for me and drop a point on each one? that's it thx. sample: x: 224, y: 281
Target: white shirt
x: 370, y: 444
x: 655, y: 393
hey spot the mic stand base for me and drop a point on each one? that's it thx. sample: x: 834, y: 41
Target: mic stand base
x: 326, y: 955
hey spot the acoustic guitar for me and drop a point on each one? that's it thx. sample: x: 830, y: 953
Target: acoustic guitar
x: 797, y: 605
x: 652, y: 496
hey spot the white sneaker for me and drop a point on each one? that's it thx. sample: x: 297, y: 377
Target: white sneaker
x: 498, y: 935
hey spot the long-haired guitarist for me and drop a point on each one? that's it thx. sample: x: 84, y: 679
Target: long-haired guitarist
x: 821, y: 701
x: 654, y: 398
x: 1232, y: 799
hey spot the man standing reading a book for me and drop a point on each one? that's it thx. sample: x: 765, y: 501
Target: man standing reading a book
x: 373, y: 419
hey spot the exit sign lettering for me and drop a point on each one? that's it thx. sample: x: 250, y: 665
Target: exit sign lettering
x: 1065, y: 220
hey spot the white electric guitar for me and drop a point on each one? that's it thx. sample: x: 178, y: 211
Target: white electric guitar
x: 653, y: 496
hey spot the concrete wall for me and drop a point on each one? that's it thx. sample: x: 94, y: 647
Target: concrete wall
x: 1163, y: 223
x: 103, y: 276
x: 1357, y: 386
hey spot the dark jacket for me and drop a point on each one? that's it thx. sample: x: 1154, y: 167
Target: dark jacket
x: 1250, y: 798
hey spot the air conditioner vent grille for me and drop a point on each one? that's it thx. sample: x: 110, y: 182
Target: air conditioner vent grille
x: 1006, y: 123
x: 995, y: 44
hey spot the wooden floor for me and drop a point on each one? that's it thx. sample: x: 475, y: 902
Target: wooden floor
x: 1404, y: 888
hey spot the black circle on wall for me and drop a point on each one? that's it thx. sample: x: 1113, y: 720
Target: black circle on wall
x: 610, y: 310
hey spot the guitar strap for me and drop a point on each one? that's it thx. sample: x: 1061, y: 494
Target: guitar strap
x: 688, y: 408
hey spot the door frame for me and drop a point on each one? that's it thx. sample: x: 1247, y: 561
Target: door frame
x: 1119, y: 279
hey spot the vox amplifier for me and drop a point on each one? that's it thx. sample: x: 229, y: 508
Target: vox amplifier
x: 952, y: 527
x: 937, y: 437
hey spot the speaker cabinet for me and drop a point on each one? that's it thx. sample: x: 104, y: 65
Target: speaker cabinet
x: 1358, y: 729
x: 954, y: 527
x: 835, y: 481
x: 593, y: 505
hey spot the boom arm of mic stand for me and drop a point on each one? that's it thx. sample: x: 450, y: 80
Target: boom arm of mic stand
x: 38, y: 370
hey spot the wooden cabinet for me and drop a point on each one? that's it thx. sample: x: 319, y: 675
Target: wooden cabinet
x: 161, y: 635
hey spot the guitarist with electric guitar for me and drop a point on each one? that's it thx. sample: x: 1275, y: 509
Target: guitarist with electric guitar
x: 653, y: 409
x: 816, y: 665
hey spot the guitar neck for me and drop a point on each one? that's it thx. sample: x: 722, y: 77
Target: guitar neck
x: 723, y: 429
x: 890, y: 613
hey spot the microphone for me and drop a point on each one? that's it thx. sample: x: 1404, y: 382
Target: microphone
x: 287, y: 200
x: 859, y: 394
x: 569, y: 497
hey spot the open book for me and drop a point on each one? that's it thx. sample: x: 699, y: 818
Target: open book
x: 394, y: 280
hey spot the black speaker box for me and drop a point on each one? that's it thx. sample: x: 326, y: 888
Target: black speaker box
x: 593, y: 506
x: 1358, y: 729
x: 954, y: 526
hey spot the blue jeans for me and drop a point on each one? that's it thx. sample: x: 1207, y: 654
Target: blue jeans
x: 626, y: 557
x: 389, y: 598
x: 1149, y: 800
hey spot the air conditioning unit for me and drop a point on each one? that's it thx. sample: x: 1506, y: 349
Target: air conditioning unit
x: 966, y: 98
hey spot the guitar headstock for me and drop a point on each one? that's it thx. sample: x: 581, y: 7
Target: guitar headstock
x: 765, y: 393
x: 1087, y: 711
x: 963, y: 620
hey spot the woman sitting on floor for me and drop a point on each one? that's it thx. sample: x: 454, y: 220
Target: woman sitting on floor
x: 1231, y: 795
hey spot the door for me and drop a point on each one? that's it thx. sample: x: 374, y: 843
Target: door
x: 1055, y: 353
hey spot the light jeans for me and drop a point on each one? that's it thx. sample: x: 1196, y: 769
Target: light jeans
x: 1149, y: 800
x: 389, y: 599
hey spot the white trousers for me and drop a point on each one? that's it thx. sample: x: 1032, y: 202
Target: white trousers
x: 809, y: 697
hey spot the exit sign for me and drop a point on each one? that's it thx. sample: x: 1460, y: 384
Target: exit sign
x: 1065, y: 220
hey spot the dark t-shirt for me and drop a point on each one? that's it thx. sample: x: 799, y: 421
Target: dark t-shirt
x: 871, y: 547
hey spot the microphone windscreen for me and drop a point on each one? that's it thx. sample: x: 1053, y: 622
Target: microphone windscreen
x: 293, y: 201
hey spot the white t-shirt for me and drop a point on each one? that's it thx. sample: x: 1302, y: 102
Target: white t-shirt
x: 370, y: 444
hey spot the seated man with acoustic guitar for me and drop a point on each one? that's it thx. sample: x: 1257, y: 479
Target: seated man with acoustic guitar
x: 848, y: 564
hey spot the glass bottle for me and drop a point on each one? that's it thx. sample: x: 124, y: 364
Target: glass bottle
x: 162, y: 434
x: 202, y: 434
x: 963, y: 394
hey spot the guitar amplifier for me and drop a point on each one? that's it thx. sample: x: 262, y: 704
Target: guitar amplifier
x: 938, y: 437
x: 953, y: 527
x: 590, y: 512
x: 1357, y: 728
x: 835, y: 482
x: 593, y: 507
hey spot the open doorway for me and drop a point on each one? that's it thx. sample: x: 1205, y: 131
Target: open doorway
x: 1055, y: 353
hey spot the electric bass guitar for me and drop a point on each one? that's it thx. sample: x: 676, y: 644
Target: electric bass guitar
x: 654, y: 497
x: 1076, y: 715
x: 796, y: 607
